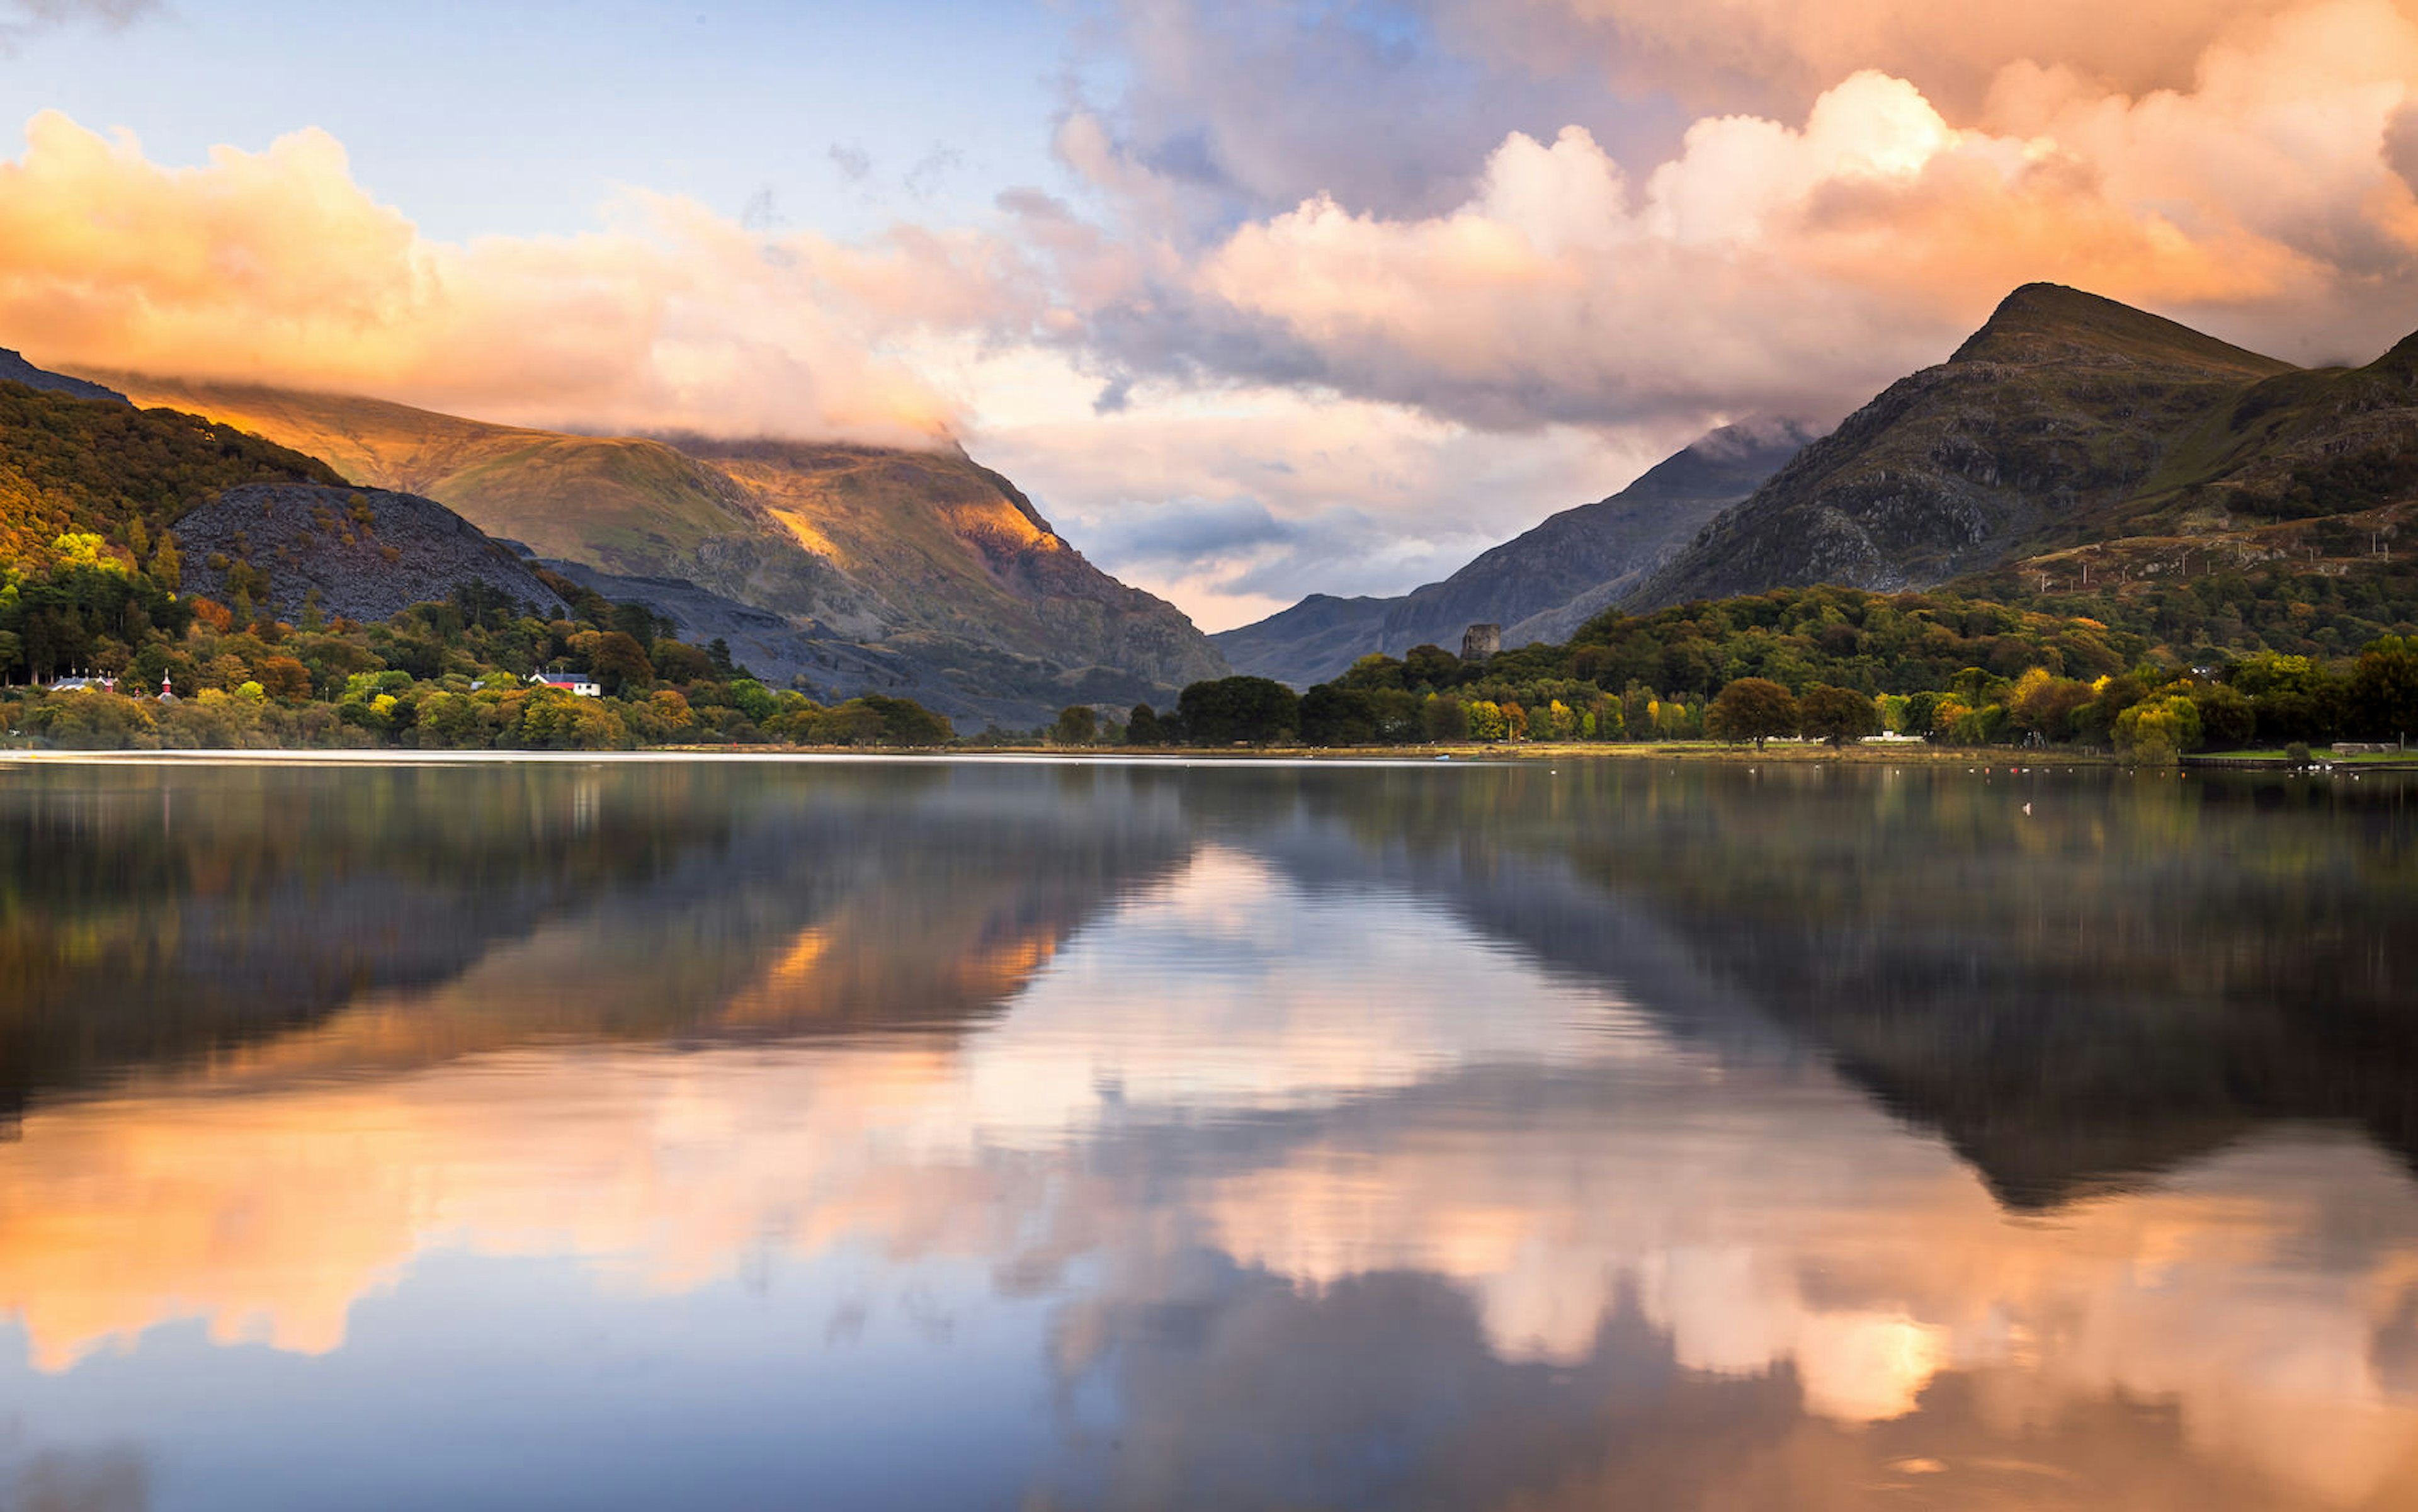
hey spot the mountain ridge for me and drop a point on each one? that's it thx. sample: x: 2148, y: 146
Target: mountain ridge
x: 2034, y: 433
x: 911, y: 571
x: 1540, y: 585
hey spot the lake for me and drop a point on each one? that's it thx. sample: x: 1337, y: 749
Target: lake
x: 1022, y: 1135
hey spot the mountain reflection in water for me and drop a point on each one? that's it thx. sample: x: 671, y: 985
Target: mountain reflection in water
x: 1139, y: 1136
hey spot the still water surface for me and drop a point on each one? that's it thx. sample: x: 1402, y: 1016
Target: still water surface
x: 1029, y: 1135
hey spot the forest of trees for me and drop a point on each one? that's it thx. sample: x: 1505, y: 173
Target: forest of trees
x: 1836, y: 665
x: 449, y: 675
x: 1828, y: 664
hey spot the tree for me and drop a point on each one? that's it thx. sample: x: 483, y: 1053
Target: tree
x: 2156, y: 730
x: 1442, y: 718
x: 285, y: 680
x: 2384, y: 689
x: 1230, y: 710
x: 1837, y: 715
x: 681, y: 664
x: 756, y: 701
x: 1077, y: 725
x: 1338, y: 716
x: 1430, y: 666
x: 1142, y: 726
x: 905, y: 721
x: 618, y: 660
x: 1751, y: 708
x: 2227, y: 719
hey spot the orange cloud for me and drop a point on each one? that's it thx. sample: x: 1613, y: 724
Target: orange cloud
x: 275, y: 267
x: 1780, y: 54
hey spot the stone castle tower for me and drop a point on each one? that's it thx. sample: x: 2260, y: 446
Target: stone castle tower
x: 1480, y: 643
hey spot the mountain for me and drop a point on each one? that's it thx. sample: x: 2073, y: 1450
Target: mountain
x: 1539, y: 586
x: 71, y: 465
x: 364, y: 554
x: 15, y: 369
x: 1310, y: 642
x: 852, y: 567
x: 2054, y: 424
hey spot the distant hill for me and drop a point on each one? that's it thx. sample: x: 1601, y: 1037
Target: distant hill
x: 914, y: 572
x: 15, y: 369
x: 364, y: 554
x: 1539, y: 586
x: 2066, y: 418
x: 1310, y: 642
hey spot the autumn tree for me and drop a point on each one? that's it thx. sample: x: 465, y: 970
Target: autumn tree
x: 1751, y: 708
x: 284, y: 679
x: 1836, y: 715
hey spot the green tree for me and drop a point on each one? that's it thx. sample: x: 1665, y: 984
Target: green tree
x: 2155, y: 731
x: 1751, y: 708
x: 2227, y: 719
x: 1232, y: 710
x: 752, y: 698
x: 1338, y: 716
x: 1077, y: 725
x: 2384, y: 695
x: 1444, y: 718
x: 1142, y: 726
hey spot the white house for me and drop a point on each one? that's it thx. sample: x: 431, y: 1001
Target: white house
x: 578, y: 684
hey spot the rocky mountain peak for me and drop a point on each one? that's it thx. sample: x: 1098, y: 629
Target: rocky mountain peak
x: 2048, y: 323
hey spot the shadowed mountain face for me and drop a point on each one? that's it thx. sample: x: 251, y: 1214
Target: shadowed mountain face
x: 2066, y: 418
x: 1540, y: 585
x: 913, y: 573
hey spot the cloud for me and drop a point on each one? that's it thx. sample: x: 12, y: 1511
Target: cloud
x: 275, y: 267
x: 1795, y: 266
x: 1779, y: 55
x: 1236, y: 500
x: 20, y: 21
x: 1238, y: 108
x: 852, y: 161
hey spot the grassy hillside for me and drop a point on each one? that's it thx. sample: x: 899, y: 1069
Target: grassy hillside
x: 923, y: 552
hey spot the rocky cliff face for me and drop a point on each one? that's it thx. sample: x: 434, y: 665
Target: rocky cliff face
x: 2036, y: 432
x: 1539, y: 586
x: 363, y: 554
x: 914, y: 572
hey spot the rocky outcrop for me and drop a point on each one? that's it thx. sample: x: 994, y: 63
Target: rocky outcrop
x: 363, y: 554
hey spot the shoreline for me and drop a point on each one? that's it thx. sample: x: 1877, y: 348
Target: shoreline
x: 1372, y: 755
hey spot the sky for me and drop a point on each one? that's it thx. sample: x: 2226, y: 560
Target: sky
x: 1256, y: 297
